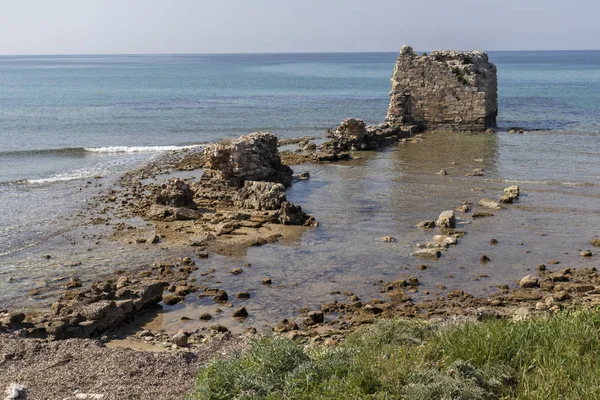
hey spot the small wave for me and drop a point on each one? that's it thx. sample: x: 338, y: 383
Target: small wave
x: 138, y: 149
x: 53, y: 179
x: 35, y: 152
x: 79, y: 151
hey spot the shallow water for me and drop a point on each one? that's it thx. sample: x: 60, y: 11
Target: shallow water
x: 388, y: 193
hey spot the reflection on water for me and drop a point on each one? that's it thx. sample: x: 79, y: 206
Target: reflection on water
x: 388, y: 193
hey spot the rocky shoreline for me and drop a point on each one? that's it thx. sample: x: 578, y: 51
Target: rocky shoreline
x: 204, y: 216
x: 225, y: 213
x: 237, y: 202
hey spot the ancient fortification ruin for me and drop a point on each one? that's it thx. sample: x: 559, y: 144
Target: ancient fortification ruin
x: 445, y: 90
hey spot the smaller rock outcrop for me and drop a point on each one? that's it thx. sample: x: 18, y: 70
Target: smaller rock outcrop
x: 353, y: 135
x: 252, y: 157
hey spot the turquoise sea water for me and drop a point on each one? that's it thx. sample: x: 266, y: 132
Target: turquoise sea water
x: 66, y: 119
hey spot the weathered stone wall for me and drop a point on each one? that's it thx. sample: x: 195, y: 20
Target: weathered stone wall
x: 253, y: 157
x: 447, y: 90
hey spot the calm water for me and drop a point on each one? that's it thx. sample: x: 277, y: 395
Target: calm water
x: 67, y: 119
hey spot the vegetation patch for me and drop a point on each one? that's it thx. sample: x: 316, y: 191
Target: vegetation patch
x: 552, y: 358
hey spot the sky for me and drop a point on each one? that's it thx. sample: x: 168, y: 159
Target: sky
x: 274, y: 26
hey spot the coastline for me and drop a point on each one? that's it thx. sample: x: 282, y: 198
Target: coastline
x: 202, y: 229
x: 561, y: 288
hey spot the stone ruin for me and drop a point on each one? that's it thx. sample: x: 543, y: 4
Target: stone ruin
x: 447, y: 90
x: 252, y: 157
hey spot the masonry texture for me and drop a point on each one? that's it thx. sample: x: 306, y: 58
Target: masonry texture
x: 445, y: 90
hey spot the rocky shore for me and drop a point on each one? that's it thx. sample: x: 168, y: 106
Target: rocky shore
x: 203, y: 215
x: 237, y: 199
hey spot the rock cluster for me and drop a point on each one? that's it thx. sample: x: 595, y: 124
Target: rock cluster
x: 353, y: 134
x: 447, y: 90
x: 252, y: 157
x: 103, y: 306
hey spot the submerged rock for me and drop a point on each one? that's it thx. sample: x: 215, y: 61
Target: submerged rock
x: 482, y: 214
x: 426, y: 224
x: 464, y: 208
x: 427, y: 253
x: 489, y: 203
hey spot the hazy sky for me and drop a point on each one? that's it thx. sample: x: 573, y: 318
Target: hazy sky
x: 234, y: 26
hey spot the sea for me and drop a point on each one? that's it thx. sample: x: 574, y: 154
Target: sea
x: 71, y: 125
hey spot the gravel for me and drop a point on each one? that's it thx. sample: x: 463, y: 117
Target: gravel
x: 83, y: 368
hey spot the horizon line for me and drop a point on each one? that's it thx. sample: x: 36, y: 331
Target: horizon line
x: 270, y: 53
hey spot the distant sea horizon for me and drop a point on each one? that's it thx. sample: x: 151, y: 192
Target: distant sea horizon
x: 284, y: 52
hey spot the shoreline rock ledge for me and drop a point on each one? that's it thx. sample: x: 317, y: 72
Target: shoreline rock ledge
x: 445, y: 91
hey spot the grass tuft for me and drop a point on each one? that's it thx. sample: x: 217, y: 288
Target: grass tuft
x: 552, y: 358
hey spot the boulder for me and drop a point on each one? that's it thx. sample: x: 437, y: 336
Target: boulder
x: 180, y: 339
x: 447, y: 219
x: 260, y: 196
x: 150, y: 294
x: 529, y: 281
x: 317, y: 316
x: 205, y: 317
x: 175, y: 193
x: 240, y: 313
